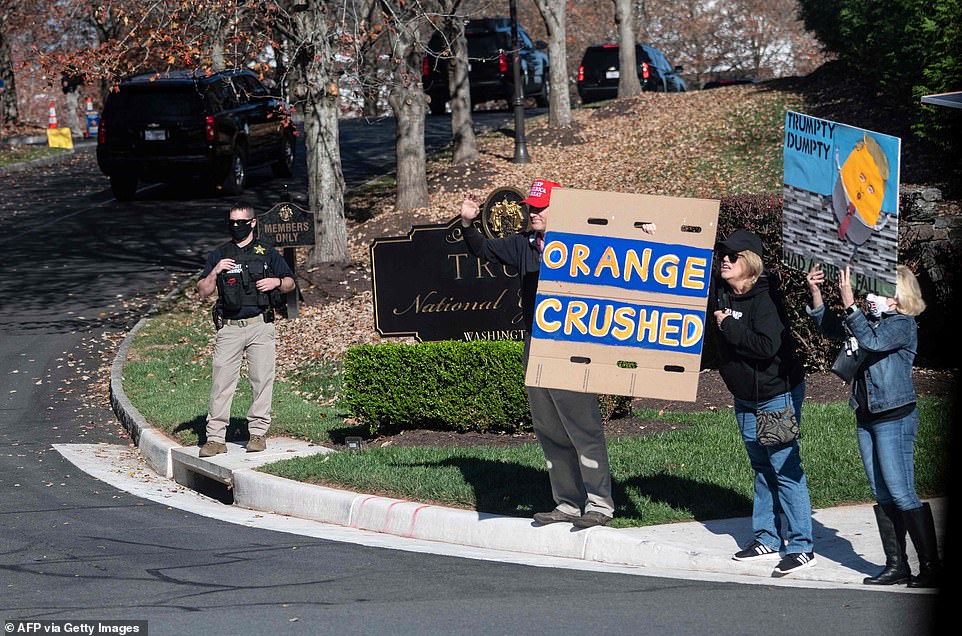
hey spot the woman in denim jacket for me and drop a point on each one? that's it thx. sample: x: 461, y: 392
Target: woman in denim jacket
x: 886, y: 416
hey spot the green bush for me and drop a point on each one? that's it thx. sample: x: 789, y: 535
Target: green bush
x: 465, y: 386
x: 904, y: 48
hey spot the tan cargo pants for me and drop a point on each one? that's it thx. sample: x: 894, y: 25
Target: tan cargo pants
x: 233, y: 342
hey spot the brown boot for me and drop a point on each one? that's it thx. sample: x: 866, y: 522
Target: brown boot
x: 212, y: 448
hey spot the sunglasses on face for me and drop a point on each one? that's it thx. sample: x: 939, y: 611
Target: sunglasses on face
x: 239, y: 222
x: 731, y: 256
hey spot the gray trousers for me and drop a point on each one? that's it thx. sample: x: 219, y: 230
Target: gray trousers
x: 568, y: 426
x: 256, y: 340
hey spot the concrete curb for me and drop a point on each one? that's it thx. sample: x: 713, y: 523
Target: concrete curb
x: 35, y: 163
x: 846, y: 541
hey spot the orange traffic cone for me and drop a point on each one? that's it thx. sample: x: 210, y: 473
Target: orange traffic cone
x: 52, y: 119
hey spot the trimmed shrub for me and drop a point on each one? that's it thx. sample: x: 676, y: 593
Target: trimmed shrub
x: 465, y: 386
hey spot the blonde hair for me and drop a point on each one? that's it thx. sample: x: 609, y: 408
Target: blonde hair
x: 908, y: 294
x: 878, y: 155
x: 753, y: 266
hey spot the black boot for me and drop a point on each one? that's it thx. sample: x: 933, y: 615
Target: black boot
x: 891, y: 529
x: 921, y: 528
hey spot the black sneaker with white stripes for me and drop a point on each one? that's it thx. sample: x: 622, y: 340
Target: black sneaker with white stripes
x: 755, y: 550
x: 794, y: 562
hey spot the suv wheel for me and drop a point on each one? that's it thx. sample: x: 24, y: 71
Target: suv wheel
x: 123, y: 186
x: 437, y: 105
x: 544, y: 98
x: 236, y: 173
x: 284, y: 167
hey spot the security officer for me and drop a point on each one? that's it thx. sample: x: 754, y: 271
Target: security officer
x: 245, y: 274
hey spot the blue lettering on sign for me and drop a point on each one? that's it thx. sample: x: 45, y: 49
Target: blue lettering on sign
x: 618, y: 323
x: 626, y: 263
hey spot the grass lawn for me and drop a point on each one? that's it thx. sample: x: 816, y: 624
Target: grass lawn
x: 698, y: 471
x: 11, y: 154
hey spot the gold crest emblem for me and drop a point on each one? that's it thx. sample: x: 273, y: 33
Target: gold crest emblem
x: 503, y: 213
x: 286, y: 213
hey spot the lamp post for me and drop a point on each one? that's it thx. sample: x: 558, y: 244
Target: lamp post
x: 520, y: 149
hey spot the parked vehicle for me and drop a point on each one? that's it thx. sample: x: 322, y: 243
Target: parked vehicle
x: 179, y: 124
x: 490, y: 71
x: 599, y: 72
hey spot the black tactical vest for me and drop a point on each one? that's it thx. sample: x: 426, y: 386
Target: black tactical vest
x: 236, y: 287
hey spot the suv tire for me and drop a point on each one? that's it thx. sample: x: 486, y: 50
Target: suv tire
x: 544, y: 98
x: 123, y: 186
x: 233, y: 183
x: 284, y: 167
x: 437, y: 105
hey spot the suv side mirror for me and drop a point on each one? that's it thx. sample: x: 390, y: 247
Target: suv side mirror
x: 540, y: 45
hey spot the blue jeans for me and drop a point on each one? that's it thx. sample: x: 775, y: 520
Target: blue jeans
x: 888, y: 450
x: 780, y: 485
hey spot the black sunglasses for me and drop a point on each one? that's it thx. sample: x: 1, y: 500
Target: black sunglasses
x: 732, y: 256
x: 236, y: 222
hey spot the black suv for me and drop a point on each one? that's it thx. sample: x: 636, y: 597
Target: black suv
x: 489, y: 65
x: 180, y: 124
x: 598, y: 74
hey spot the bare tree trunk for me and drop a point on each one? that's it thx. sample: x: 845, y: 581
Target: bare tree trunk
x: 410, y: 108
x: 408, y: 101
x: 559, y: 106
x: 8, y: 98
x: 628, y: 84
x: 72, y: 113
x: 459, y: 87
x: 316, y: 86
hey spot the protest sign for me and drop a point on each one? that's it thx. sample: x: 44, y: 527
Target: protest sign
x: 618, y: 310
x: 841, y: 193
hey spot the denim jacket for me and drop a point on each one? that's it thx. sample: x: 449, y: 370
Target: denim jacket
x: 891, y: 345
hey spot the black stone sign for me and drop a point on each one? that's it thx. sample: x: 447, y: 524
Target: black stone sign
x: 428, y: 285
x: 286, y: 225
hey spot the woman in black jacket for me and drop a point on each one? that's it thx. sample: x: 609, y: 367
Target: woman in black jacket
x: 760, y: 367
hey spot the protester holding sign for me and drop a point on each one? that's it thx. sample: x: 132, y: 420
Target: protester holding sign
x: 567, y: 423
x: 887, y: 419
x: 761, y: 368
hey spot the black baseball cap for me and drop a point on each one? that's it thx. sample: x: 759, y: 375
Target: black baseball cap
x: 739, y: 241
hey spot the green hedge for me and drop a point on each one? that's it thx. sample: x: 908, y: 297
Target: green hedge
x: 465, y: 386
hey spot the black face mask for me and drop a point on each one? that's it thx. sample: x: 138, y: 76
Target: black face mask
x: 240, y: 232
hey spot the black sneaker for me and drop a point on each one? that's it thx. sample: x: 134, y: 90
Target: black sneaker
x: 794, y: 562
x: 755, y: 550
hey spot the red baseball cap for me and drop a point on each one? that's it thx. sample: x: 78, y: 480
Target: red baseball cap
x: 540, y: 195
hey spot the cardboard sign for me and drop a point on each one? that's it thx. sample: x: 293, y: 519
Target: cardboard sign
x: 618, y: 310
x: 428, y: 285
x: 841, y: 198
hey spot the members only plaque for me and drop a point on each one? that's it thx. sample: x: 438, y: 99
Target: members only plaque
x: 428, y: 285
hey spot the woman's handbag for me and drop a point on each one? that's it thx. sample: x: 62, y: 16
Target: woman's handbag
x: 774, y: 428
x: 849, y: 360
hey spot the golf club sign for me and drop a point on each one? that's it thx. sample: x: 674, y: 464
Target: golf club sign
x: 429, y: 286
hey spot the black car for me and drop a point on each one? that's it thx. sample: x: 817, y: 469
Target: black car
x: 599, y: 72
x: 489, y: 65
x: 179, y: 124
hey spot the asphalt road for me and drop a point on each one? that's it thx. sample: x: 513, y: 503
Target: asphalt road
x: 78, y: 269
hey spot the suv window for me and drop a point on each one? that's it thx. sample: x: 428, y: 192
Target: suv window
x: 145, y: 103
